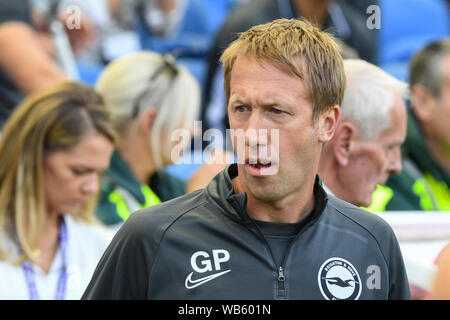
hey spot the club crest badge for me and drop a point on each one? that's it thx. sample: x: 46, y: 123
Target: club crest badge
x: 339, y: 280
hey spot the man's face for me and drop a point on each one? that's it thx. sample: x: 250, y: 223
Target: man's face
x: 264, y: 97
x: 372, y: 161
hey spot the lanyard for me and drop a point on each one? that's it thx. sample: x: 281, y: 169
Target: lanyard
x: 62, y: 280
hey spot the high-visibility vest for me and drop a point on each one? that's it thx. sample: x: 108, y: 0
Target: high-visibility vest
x: 434, y: 195
x: 380, y: 198
x: 126, y: 203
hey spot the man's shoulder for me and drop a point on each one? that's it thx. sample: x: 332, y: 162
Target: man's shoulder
x: 244, y: 17
x: 357, y: 219
x: 158, y: 218
x: 13, y: 11
x: 254, y: 10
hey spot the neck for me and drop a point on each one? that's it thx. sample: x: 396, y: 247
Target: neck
x: 289, y: 209
x: 136, y: 153
x: 315, y: 11
x: 328, y: 172
x: 49, y: 242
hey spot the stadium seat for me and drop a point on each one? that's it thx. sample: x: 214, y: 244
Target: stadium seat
x: 408, y: 25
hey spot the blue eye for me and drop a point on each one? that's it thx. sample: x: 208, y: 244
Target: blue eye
x: 277, y: 111
x: 240, y: 109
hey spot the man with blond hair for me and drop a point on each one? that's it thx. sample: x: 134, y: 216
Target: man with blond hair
x: 263, y: 228
x: 365, y: 148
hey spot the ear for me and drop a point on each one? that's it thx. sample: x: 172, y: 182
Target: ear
x: 342, y: 144
x: 328, y: 123
x: 146, y: 120
x: 423, y: 102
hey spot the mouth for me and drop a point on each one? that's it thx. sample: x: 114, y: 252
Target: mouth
x: 260, y: 167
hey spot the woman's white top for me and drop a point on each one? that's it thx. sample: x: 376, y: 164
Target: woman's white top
x: 85, y: 246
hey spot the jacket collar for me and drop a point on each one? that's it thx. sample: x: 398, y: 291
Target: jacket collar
x: 220, y: 189
x: 119, y: 173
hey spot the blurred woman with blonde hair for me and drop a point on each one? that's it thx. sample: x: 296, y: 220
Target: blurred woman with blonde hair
x: 52, y: 150
x: 149, y: 96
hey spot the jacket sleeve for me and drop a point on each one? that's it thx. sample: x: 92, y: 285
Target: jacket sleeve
x: 123, y: 271
x: 398, y: 279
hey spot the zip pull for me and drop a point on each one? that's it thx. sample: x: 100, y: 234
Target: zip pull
x: 281, y: 274
x: 281, y: 289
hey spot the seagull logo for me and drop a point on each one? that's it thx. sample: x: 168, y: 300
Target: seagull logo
x: 339, y: 282
x: 338, y: 279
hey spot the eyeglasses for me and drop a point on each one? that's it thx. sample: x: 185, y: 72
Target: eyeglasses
x: 169, y: 63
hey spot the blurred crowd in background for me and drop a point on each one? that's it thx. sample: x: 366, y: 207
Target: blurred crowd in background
x: 155, y: 66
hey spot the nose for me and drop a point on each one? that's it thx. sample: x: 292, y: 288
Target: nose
x: 91, y: 185
x: 255, y: 120
x: 256, y: 131
x: 395, y: 162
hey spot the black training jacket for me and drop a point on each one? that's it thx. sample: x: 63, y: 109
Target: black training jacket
x: 203, y: 245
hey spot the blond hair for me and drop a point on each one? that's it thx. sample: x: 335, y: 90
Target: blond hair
x: 298, y: 48
x: 146, y: 79
x: 53, y: 119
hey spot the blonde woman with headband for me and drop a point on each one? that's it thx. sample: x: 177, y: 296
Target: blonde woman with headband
x: 149, y: 96
x: 53, y: 148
